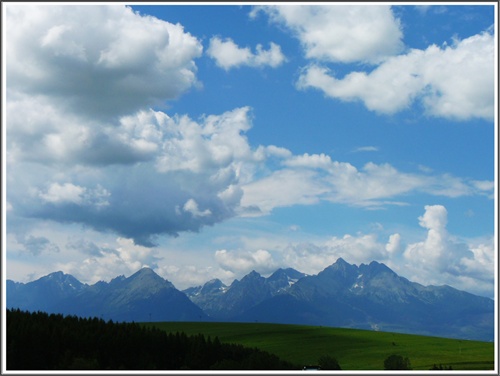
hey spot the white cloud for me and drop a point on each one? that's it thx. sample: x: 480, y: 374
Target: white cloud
x: 339, y: 33
x: 228, y: 54
x: 484, y: 185
x: 282, y: 188
x: 437, y: 252
x: 63, y: 193
x: 480, y: 265
x: 97, y: 60
x: 216, y: 142
x: 435, y: 218
x: 242, y: 262
x: 441, y: 258
x: 191, y: 206
x: 280, y: 152
x: 310, y: 161
x: 70, y: 193
x: 455, y: 82
x: 365, y: 149
x: 394, y: 246
x: 308, y: 179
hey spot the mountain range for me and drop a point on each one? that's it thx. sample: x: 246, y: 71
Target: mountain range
x: 369, y: 297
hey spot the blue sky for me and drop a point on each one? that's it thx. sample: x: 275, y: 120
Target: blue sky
x: 206, y: 141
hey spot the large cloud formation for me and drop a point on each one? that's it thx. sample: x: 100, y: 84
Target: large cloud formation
x: 189, y: 180
x: 86, y: 143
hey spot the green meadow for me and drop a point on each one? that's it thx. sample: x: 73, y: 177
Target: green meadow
x: 354, y: 349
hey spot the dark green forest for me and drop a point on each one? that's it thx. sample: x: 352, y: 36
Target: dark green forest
x: 42, y: 341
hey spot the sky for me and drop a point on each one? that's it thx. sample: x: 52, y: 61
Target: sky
x: 209, y: 140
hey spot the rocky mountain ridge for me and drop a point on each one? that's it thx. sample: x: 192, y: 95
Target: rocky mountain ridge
x: 368, y: 296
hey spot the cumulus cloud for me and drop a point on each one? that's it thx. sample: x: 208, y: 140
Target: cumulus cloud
x: 103, y: 60
x: 438, y: 251
x: 96, y: 68
x: 191, y: 206
x: 442, y: 257
x: 339, y: 33
x: 38, y: 131
x: 242, y: 262
x: 455, y: 82
x: 394, y: 246
x: 213, y: 143
x: 190, y: 179
x: 228, y: 54
x: 85, y: 144
x: 70, y: 193
x: 63, y: 193
x: 321, y: 161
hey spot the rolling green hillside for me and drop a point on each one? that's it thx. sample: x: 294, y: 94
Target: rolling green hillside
x: 354, y: 349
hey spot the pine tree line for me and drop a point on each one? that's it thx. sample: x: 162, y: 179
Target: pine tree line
x: 42, y: 341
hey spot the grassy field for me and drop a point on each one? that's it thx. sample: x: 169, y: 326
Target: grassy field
x: 354, y: 349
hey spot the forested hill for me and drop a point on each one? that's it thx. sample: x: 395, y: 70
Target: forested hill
x: 41, y: 341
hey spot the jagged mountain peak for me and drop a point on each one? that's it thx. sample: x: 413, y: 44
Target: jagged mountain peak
x: 341, y: 261
x: 289, y: 272
x: 282, y: 279
x: 59, y: 275
x: 252, y: 277
x: 60, y: 278
x: 340, y: 269
x: 145, y: 271
x: 213, y: 285
x: 368, y: 296
x: 343, y: 264
x: 253, y: 274
x: 146, y: 278
x: 117, y: 279
x: 214, y: 282
x: 379, y: 271
x: 380, y: 267
x: 144, y: 296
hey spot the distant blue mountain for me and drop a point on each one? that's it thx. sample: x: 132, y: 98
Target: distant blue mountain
x: 369, y: 297
x: 226, y: 303
x: 144, y: 296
